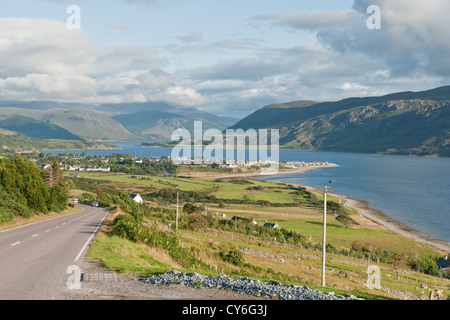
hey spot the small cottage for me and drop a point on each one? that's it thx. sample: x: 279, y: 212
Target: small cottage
x: 271, y: 225
x: 136, y: 197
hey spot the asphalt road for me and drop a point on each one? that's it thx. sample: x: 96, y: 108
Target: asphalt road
x: 36, y: 259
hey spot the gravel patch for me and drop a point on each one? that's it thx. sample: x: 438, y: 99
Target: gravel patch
x: 247, y: 286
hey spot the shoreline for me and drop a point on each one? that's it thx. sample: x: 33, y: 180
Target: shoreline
x: 280, y: 172
x: 362, y: 207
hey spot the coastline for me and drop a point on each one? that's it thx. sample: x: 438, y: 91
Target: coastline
x: 280, y: 172
x: 362, y: 207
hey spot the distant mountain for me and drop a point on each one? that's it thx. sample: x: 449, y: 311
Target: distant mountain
x: 90, y: 125
x: 37, y: 128
x: 112, y: 122
x: 416, y: 123
x: 159, y: 120
x: 73, y: 123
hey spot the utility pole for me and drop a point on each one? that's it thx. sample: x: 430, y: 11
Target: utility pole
x: 176, y: 220
x: 325, y: 189
x: 324, y: 234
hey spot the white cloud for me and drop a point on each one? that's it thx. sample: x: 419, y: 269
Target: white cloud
x: 43, y: 59
x: 413, y: 36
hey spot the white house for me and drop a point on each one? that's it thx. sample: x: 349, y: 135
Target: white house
x: 136, y: 197
x: 271, y: 225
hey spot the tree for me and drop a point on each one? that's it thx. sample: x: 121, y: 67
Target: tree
x: 99, y: 193
x: 399, y: 263
x: 47, y: 175
x: 189, y: 208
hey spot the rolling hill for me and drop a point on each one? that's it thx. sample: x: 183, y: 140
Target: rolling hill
x: 36, y: 128
x: 108, y: 122
x: 63, y: 124
x: 159, y: 120
x: 15, y: 142
x: 415, y: 123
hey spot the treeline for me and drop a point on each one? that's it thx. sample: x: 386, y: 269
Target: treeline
x: 118, y: 162
x: 25, y: 189
x: 144, y: 168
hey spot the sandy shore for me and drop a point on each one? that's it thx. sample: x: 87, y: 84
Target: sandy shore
x: 280, y: 171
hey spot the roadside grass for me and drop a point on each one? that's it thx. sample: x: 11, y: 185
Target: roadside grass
x: 123, y: 255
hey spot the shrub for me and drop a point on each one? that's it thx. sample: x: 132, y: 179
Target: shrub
x: 235, y: 257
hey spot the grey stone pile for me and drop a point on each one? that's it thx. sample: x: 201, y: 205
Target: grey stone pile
x: 245, y: 285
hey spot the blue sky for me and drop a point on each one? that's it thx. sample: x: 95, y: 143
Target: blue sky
x: 226, y: 57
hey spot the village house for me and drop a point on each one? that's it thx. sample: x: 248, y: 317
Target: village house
x: 271, y: 225
x: 136, y: 197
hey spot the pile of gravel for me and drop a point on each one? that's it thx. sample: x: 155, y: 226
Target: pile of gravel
x: 245, y: 285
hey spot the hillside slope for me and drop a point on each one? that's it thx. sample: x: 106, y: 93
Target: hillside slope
x: 416, y: 123
x: 36, y: 128
x: 159, y: 120
x: 15, y: 142
x: 111, y: 122
x: 73, y: 124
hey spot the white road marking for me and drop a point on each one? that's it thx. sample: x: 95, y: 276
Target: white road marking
x: 87, y: 242
x: 34, y: 235
x: 15, y: 243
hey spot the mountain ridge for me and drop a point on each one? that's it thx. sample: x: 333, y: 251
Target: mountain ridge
x: 107, y: 122
x: 415, y: 123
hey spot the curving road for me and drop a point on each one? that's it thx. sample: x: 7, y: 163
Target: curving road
x: 34, y: 259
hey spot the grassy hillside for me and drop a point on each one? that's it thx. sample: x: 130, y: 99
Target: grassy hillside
x: 90, y: 125
x: 82, y: 123
x: 36, y: 128
x: 14, y: 142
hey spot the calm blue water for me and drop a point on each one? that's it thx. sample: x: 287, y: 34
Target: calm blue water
x: 413, y: 190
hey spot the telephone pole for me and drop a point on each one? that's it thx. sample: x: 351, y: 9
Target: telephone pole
x: 324, y: 249
x: 324, y: 234
x: 176, y: 220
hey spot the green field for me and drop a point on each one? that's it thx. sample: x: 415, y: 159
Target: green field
x: 265, y: 257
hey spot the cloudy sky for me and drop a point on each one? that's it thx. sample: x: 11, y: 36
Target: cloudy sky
x: 226, y: 57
